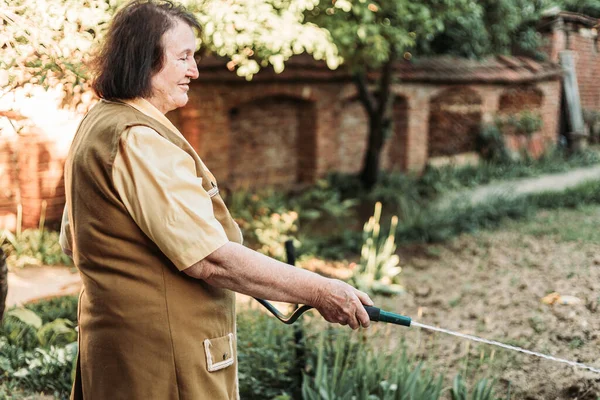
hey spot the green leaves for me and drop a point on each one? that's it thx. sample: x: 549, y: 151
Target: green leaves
x: 26, y: 316
x: 47, y: 43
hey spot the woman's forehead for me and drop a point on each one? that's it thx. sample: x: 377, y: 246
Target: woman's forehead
x: 180, y: 38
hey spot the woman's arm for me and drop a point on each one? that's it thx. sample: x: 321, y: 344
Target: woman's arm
x: 243, y: 270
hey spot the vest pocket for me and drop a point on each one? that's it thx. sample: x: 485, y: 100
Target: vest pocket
x: 219, y: 352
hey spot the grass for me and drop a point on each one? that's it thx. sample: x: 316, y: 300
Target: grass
x: 567, y: 225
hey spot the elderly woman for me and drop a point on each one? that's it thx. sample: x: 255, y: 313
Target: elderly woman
x: 159, y: 255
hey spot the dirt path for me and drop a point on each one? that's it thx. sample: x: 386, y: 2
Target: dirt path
x: 37, y: 282
x: 514, y: 188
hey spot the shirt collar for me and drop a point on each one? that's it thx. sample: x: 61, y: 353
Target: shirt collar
x: 145, y: 107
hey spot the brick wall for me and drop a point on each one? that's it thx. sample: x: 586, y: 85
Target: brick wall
x: 585, y: 43
x: 9, y: 186
x: 257, y: 133
x: 31, y: 176
x: 454, y: 120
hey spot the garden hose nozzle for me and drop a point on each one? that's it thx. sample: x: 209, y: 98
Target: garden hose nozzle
x: 379, y: 315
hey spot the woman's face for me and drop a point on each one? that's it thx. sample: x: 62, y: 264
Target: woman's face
x: 170, y: 85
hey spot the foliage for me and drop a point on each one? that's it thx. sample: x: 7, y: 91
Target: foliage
x: 48, y: 370
x: 37, y: 352
x: 258, y: 33
x: 492, y: 27
x: 491, y: 146
x: 483, y: 390
x: 592, y: 120
x: 378, y: 271
x: 268, y: 218
x: 464, y: 217
x: 525, y: 123
x: 265, y: 220
x: 370, y: 33
x: 347, y: 367
x: 340, y: 363
x: 439, y: 180
x: 431, y: 225
x: 372, y: 36
x: 33, y: 247
x: 587, y: 7
x: 321, y: 203
x: 266, y: 356
x: 64, y: 307
x: 47, y: 43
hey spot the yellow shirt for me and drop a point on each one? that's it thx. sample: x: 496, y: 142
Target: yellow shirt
x: 176, y: 214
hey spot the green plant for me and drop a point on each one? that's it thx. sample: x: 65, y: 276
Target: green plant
x: 37, y: 356
x: 265, y: 356
x: 347, y: 367
x: 483, y: 390
x: 524, y: 123
x: 592, y: 120
x: 322, y: 202
x: 33, y: 247
x: 378, y: 270
x: 491, y: 146
x: 48, y: 370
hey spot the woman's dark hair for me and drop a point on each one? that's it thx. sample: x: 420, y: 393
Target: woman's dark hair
x: 133, y: 51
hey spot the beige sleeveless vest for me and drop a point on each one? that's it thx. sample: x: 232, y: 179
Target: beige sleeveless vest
x: 146, y: 330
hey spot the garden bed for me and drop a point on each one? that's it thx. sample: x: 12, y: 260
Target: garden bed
x: 491, y: 285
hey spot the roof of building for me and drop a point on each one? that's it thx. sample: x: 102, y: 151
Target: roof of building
x: 556, y: 17
x: 446, y: 69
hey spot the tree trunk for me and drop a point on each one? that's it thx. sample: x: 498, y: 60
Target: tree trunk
x: 3, y: 283
x: 379, y: 110
x: 370, y: 171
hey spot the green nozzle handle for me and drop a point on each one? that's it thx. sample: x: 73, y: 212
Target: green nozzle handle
x: 378, y: 315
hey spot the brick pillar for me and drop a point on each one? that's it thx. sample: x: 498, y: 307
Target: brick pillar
x: 417, y: 132
x: 40, y: 178
x: 9, y: 186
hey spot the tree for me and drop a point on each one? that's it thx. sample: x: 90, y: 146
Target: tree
x: 48, y: 42
x: 372, y: 35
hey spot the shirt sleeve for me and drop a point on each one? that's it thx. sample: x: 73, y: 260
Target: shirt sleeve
x: 157, y: 182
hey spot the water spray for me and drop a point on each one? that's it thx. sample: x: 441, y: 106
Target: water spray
x: 379, y: 315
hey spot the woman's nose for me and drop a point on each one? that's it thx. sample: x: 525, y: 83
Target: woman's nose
x: 192, y: 71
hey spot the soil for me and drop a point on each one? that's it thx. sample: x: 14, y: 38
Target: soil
x: 492, y: 285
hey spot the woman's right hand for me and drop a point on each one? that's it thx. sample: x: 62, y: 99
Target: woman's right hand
x: 341, y: 303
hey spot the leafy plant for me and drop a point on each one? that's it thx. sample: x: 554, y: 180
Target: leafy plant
x: 491, y: 146
x: 347, y: 367
x: 524, y: 123
x: 48, y: 370
x: 33, y: 247
x: 378, y: 270
x: 37, y: 356
x: 265, y: 355
x: 483, y: 390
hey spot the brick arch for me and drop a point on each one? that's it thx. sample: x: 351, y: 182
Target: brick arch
x: 454, y: 120
x: 282, y: 92
x: 272, y: 142
x: 513, y: 101
x: 517, y: 99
